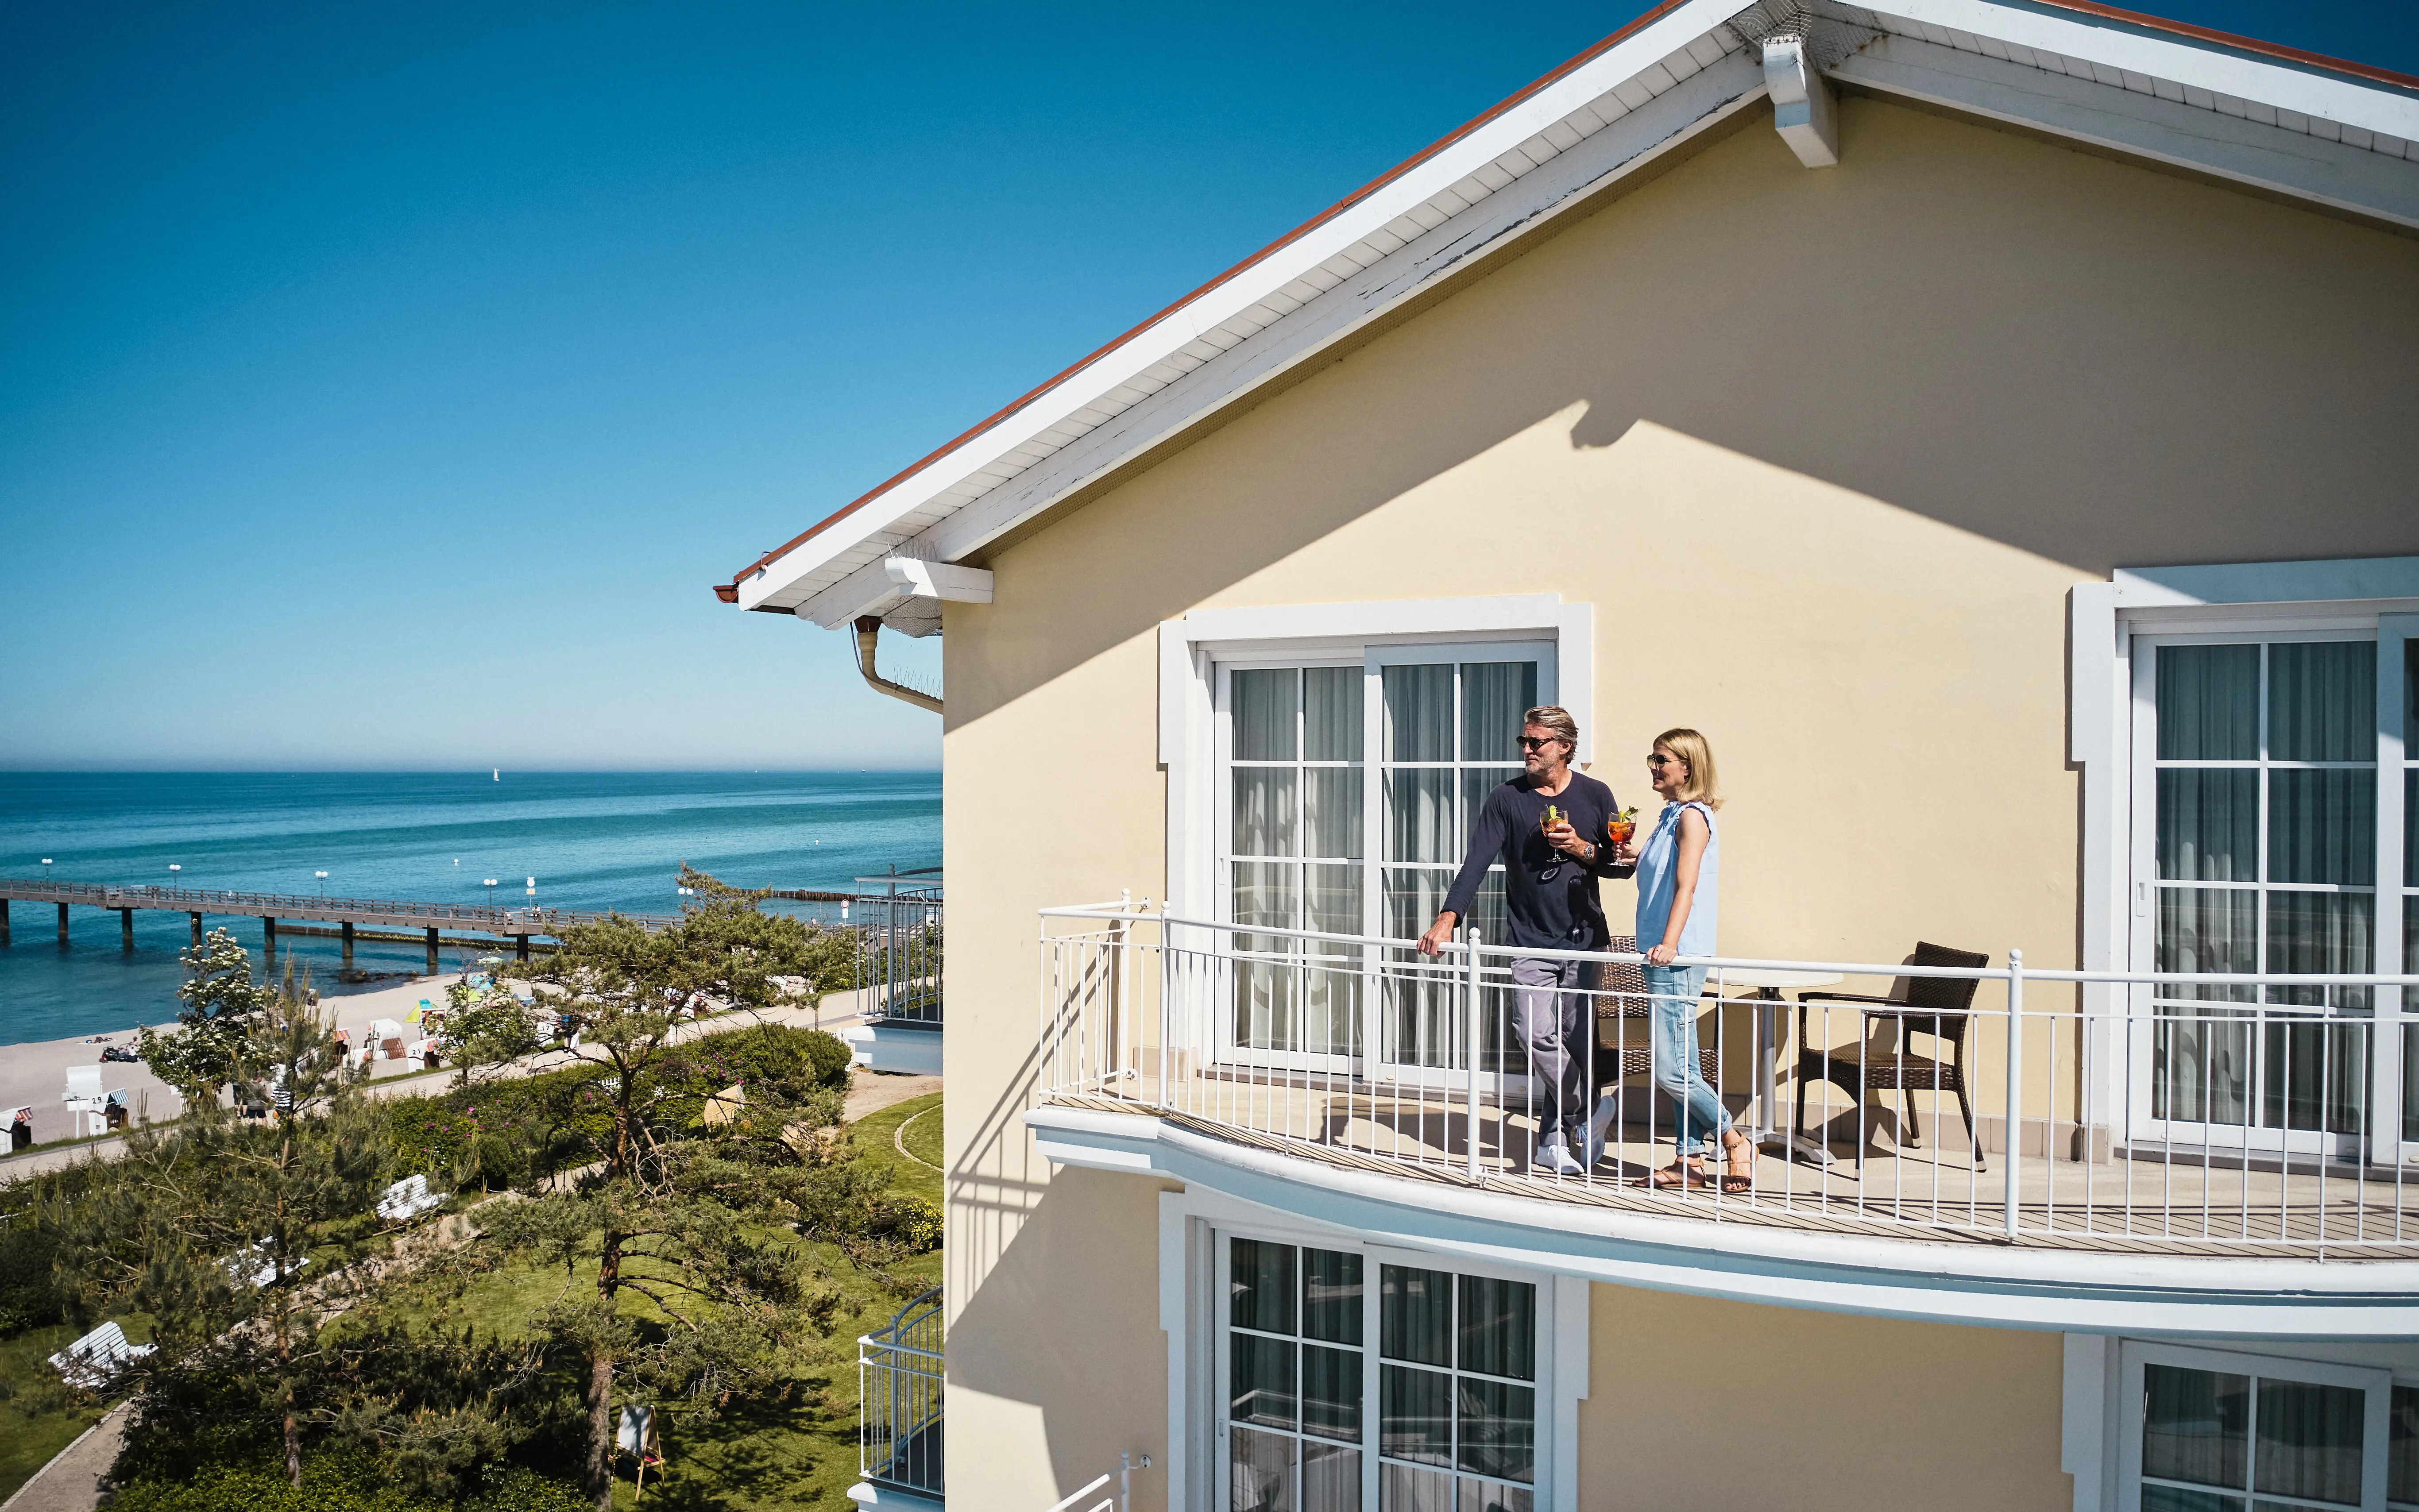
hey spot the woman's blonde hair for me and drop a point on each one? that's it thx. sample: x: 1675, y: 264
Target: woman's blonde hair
x: 1692, y: 748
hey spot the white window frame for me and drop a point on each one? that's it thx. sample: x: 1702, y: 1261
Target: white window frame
x: 1194, y: 1226
x: 2384, y: 1091
x: 2100, y: 1431
x: 2377, y: 595
x: 1196, y: 650
x: 1190, y: 650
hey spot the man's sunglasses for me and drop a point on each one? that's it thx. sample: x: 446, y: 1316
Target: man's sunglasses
x: 1533, y: 743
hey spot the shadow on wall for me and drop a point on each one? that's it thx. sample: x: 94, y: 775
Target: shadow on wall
x: 2062, y: 353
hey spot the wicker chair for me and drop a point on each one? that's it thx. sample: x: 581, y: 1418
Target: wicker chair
x: 1621, y: 1003
x: 1941, y: 1006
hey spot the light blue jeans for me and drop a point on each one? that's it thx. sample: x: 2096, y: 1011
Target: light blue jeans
x: 1697, y: 1112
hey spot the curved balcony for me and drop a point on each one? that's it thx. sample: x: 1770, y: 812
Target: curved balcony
x: 2035, y: 1147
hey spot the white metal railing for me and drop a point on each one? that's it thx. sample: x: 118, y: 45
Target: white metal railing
x: 2263, y: 1113
x: 899, y: 1376
x: 898, y: 948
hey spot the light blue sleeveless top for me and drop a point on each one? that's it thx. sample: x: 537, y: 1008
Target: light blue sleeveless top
x: 1659, y: 860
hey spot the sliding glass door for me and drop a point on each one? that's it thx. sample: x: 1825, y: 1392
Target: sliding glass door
x: 1346, y: 793
x: 2262, y: 767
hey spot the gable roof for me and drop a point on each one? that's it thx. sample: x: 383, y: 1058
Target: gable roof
x: 2331, y: 132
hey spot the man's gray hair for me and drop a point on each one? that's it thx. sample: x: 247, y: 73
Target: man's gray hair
x: 1556, y: 719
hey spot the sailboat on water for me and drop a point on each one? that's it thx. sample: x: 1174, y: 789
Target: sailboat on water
x: 498, y: 773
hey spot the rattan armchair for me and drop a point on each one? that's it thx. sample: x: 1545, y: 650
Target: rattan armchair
x: 1883, y: 1059
x: 1621, y: 1003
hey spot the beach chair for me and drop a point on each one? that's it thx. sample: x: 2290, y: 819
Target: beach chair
x: 93, y: 1361
x: 86, y: 1100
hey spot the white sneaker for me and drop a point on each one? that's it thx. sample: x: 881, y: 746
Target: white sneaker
x: 1554, y: 1158
x: 1599, y: 1130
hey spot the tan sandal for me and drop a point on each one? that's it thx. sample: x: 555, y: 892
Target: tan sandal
x: 1680, y: 1176
x: 1738, y: 1167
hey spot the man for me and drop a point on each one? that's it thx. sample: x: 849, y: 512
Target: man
x: 1549, y: 873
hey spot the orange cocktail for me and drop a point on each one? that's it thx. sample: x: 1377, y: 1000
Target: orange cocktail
x: 1621, y: 826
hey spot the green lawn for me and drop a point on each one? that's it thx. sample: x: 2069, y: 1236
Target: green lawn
x: 798, y: 1453
x: 38, y: 1418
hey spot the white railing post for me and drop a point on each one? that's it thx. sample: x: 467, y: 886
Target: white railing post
x: 1472, y: 938
x: 2014, y: 1153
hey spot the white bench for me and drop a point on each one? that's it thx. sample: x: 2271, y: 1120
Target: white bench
x: 92, y: 1360
x: 407, y: 1197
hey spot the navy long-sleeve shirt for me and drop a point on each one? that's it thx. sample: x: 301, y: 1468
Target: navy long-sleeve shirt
x: 1550, y: 896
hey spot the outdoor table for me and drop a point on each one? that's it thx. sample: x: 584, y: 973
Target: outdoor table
x: 1769, y: 982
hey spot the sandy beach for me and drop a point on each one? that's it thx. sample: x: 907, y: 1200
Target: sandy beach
x: 35, y: 1074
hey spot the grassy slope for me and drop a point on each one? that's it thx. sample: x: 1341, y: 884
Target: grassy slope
x: 801, y: 1453
x: 38, y: 1418
x: 34, y: 1422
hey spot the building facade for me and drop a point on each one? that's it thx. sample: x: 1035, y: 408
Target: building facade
x: 1992, y: 426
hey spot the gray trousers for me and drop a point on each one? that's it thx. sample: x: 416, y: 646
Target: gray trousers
x: 1556, y: 1022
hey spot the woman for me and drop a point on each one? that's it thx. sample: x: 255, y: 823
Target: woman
x: 1679, y: 873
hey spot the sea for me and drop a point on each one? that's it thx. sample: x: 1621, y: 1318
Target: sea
x: 579, y: 840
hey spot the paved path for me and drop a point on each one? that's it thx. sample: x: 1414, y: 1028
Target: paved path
x: 869, y: 1092
x: 71, y: 1481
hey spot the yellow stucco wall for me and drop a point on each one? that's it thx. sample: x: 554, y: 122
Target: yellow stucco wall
x: 1705, y: 1406
x: 1825, y: 450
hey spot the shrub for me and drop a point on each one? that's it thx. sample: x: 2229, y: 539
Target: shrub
x: 913, y: 1223
x: 785, y: 1062
x: 338, y: 1481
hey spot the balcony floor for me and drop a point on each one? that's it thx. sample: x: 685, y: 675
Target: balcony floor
x: 2171, y: 1206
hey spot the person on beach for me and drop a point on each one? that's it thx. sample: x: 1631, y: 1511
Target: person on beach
x: 1550, y: 897
x: 1679, y: 878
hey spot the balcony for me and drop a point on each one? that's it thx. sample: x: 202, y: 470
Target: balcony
x: 900, y: 1385
x: 899, y: 973
x: 2191, y: 1137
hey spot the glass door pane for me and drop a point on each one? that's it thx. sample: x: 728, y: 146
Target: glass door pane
x: 1292, y: 1414
x: 1451, y: 735
x: 2264, y: 851
x: 1293, y: 855
x: 2216, y: 1441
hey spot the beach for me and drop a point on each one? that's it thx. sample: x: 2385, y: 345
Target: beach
x: 35, y: 1074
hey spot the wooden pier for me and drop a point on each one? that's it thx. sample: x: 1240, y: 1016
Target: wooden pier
x: 492, y: 925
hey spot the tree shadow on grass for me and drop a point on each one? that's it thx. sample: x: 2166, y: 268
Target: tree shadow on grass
x: 757, y: 1455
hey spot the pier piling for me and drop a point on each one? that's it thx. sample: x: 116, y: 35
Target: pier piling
x: 63, y: 924
x: 269, y: 935
x: 432, y: 952
x: 349, y: 945
x: 4, y: 922
x: 522, y: 941
x: 126, y: 928
x: 197, y: 932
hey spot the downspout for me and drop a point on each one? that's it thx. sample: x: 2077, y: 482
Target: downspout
x: 868, y: 631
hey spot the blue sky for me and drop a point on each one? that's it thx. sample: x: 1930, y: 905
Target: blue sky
x: 385, y: 385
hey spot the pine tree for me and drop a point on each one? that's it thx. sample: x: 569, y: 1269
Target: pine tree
x: 701, y: 1288
x: 221, y: 1000
x: 231, y: 1231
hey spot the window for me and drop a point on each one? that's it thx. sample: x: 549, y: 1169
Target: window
x: 1308, y: 841
x: 1439, y: 1415
x: 2258, y: 849
x: 2409, y: 658
x: 2222, y: 1432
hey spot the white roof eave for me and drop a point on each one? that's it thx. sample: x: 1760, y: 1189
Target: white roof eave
x: 837, y: 573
